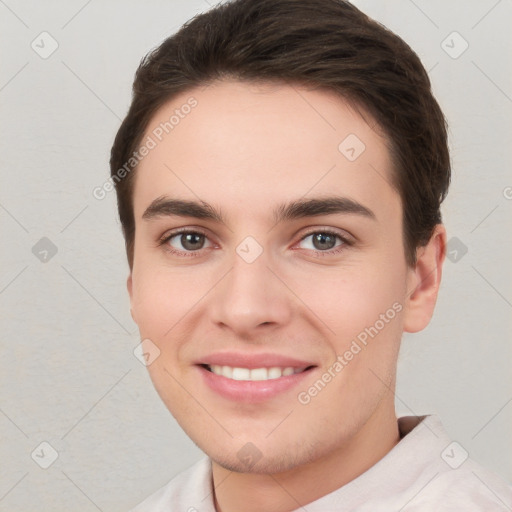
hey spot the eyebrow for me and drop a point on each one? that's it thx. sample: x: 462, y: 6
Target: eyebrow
x: 165, y: 206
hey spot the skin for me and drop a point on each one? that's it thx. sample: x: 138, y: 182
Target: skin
x: 246, y: 149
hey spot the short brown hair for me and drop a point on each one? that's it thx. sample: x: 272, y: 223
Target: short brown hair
x: 326, y: 44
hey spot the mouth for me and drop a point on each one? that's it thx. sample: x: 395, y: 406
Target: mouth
x: 252, y: 379
x: 254, y: 374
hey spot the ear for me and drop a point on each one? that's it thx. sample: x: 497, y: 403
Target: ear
x: 424, y: 280
x: 129, y: 286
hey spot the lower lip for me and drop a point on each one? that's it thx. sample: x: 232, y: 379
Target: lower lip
x: 250, y: 391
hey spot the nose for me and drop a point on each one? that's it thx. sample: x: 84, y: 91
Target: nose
x: 250, y: 299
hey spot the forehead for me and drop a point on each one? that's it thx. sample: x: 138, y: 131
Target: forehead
x: 247, y: 145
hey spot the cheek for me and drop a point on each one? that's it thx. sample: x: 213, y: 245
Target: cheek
x: 163, y: 296
x: 161, y: 301
x: 363, y: 310
x: 152, y: 305
x: 350, y: 299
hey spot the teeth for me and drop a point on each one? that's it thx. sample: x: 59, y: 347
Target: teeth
x: 241, y: 374
x: 254, y: 374
x: 274, y: 373
x: 227, y: 371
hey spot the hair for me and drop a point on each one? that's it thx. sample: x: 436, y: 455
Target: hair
x: 324, y: 44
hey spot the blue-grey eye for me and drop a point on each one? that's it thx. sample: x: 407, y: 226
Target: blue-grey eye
x: 321, y: 241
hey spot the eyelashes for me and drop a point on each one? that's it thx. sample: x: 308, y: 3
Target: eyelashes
x: 187, y: 238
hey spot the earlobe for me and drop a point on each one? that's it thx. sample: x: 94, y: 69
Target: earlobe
x: 425, y: 280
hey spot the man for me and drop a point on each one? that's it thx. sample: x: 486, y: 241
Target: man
x: 279, y: 179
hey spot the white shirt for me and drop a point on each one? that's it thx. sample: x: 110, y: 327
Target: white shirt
x: 425, y: 471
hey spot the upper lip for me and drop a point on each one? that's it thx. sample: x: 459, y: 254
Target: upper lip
x: 251, y: 361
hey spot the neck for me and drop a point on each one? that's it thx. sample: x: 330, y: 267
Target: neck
x: 287, y: 491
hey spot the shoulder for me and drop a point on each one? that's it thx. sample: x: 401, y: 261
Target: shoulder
x: 183, y: 492
x: 470, y: 487
x: 427, y: 471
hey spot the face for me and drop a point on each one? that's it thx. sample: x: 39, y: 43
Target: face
x: 269, y: 272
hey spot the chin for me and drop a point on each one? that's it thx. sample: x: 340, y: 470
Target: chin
x: 264, y: 466
x: 249, y: 459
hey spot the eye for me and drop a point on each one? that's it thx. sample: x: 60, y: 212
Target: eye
x: 186, y: 241
x: 323, y: 241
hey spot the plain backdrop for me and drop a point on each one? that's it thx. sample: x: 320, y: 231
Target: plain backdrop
x: 68, y: 375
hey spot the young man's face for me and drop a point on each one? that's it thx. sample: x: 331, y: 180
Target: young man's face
x: 270, y: 286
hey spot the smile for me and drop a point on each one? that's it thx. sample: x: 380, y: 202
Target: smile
x: 253, y: 374
x: 252, y: 378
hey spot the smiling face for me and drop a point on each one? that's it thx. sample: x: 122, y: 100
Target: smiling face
x: 293, y: 255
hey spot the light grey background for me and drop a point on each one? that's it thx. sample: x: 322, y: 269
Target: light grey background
x: 68, y: 373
